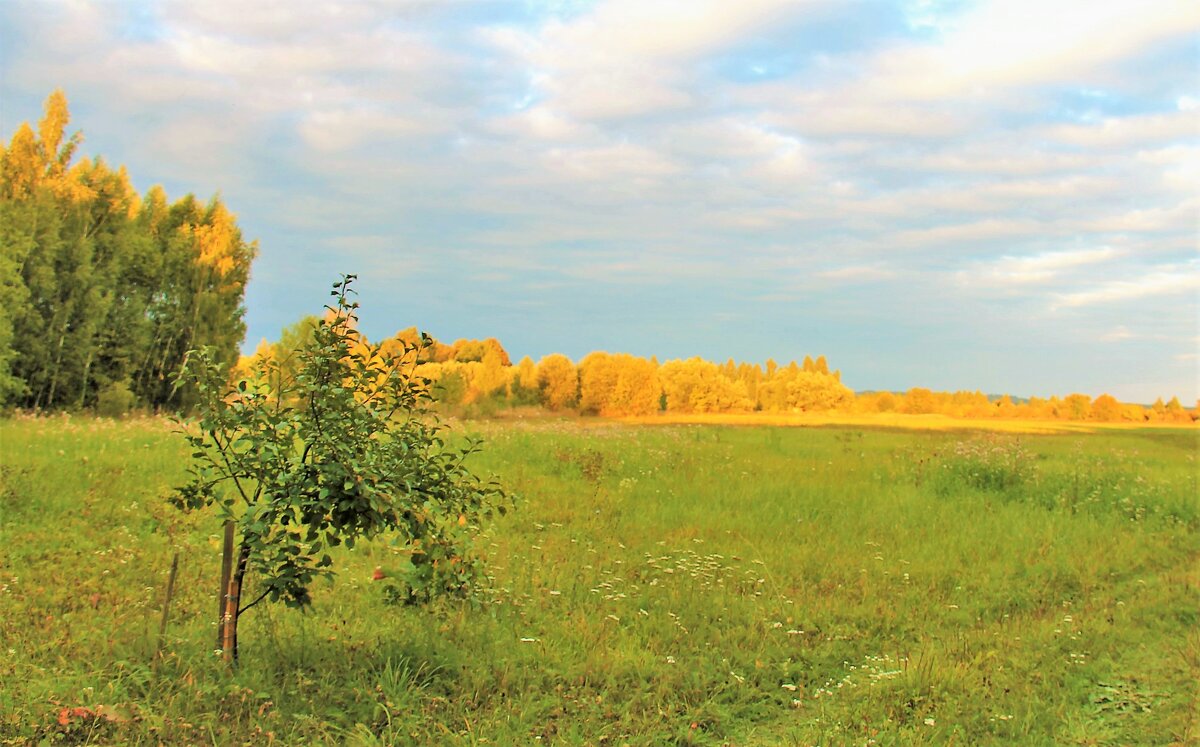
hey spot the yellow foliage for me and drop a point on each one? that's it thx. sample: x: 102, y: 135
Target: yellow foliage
x: 879, y: 402
x: 558, y: 381
x: 32, y: 161
x: 818, y: 391
x: 1106, y: 408
x: 217, y: 240
x: 623, y: 385
x: 918, y: 401
x: 637, y: 389
x: 526, y: 374
x: 21, y: 167
x: 488, y: 375
x: 695, y: 385
x: 51, y: 129
x: 476, y: 350
x: 597, y: 380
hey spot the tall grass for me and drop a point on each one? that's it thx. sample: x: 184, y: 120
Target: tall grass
x: 682, y: 584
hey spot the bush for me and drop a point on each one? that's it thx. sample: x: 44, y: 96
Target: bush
x: 115, y: 400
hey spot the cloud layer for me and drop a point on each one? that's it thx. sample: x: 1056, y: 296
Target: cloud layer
x: 998, y: 195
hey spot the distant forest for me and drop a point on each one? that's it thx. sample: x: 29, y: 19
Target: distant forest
x: 107, y: 290
x: 477, y: 377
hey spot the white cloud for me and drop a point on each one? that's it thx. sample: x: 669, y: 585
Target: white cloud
x: 1038, y: 268
x: 1160, y: 282
x: 727, y: 138
x: 539, y: 123
x: 658, y: 29
x: 1179, y: 217
x: 990, y: 157
x: 1011, y: 43
x: 832, y: 115
x: 628, y: 58
x: 339, y: 129
x: 968, y: 235
x: 619, y: 161
x: 1140, y: 130
x: 1118, y: 334
x: 857, y: 274
x: 268, y: 19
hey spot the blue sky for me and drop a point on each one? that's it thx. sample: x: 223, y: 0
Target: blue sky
x: 999, y: 196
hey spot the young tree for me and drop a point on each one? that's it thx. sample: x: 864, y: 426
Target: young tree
x: 696, y: 385
x: 597, y: 381
x: 814, y: 391
x: 919, y: 401
x: 1106, y: 408
x: 1077, y: 406
x: 1174, y: 411
x: 523, y: 383
x: 885, y: 402
x: 345, y: 450
x: 558, y: 381
x: 637, y: 390
x: 489, y: 376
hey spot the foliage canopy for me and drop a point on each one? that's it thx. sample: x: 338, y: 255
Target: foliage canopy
x: 104, y: 291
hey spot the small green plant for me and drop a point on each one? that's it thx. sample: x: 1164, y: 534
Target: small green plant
x: 115, y: 400
x: 342, y: 448
x: 987, y: 463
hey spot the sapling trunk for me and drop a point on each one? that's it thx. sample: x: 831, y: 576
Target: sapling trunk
x: 235, y: 595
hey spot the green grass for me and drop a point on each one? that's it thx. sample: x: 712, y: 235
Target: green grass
x: 657, y: 585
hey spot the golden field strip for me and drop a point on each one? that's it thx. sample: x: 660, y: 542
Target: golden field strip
x: 933, y: 422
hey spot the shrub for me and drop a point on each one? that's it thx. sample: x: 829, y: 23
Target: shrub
x: 115, y: 400
x: 344, y: 448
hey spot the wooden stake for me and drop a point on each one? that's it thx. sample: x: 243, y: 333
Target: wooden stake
x: 166, y: 612
x: 229, y: 623
x: 226, y: 575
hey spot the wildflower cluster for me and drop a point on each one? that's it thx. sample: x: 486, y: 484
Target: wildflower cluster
x: 987, y: 463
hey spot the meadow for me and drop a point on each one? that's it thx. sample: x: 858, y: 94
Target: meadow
x: 681, y: 584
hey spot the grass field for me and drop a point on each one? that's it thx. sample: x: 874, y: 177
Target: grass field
x: 670, y: 584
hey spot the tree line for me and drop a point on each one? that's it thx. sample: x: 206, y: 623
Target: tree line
x: 478, y: 377
x: 106, y: 290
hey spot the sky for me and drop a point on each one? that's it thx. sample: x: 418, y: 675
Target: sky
x: 997, y: 196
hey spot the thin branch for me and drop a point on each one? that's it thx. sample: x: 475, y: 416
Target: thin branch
x: 256, y: 601
x: 232, y: 471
